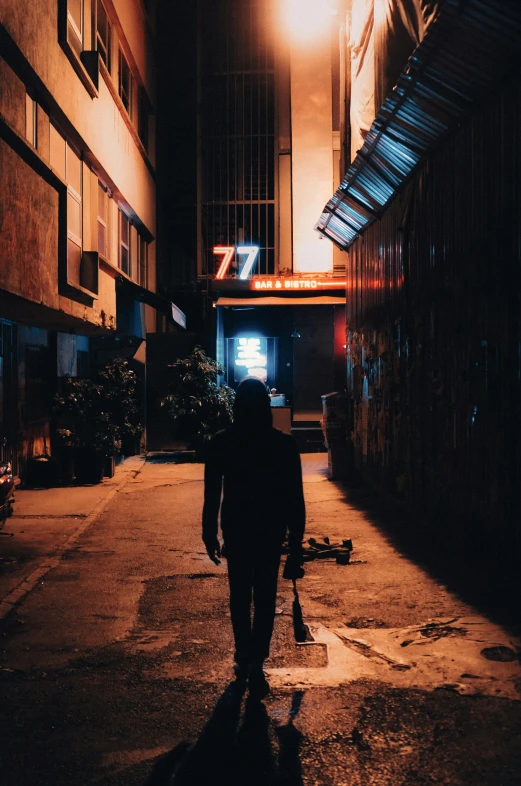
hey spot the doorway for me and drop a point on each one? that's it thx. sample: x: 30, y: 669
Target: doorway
x: 8, y: 397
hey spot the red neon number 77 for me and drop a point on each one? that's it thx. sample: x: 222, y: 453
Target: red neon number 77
x: 227, y: 254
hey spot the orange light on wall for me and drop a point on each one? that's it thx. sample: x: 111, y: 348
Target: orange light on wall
x: 306, y: 21
x: 227, y: 254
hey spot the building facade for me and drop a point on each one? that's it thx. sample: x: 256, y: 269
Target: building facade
x: 269, y: 148
x: 77, y: 202
x: 427, y: 212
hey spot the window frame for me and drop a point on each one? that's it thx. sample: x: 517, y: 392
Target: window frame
x: 101, y: 45
x: 76, y: 197
x: 142, y: 261
x: 31, y: 134
x: 103, y: 221
x: 123, y: 67
x: 72, y: 26
x: 143, y: 118
x: 121, y: 244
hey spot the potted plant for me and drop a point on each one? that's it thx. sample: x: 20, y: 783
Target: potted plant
x: 83, y: 415
x: 95, y: 416
x: 197, y: 404
x: 122, y: 402
x: 63, y: 447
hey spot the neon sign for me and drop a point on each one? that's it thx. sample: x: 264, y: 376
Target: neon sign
x: 249, y: 354
x: 252, y: 252
x: 298, y: 283
x: 227, y: 253
x: 251, y: 358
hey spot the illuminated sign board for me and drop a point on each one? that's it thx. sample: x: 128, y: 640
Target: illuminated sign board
x: 297, y: 283
x: 251, y: 357
x: 282, y: 284
x: 244, y: 280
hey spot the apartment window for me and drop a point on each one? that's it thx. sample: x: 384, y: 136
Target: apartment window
x: 142, y: 261
x: 142, y: 118
x: 74, y: 214
x: 103, y: 34
x: 125, y: 82
x: 124, y: 242
x: 75, y: 25
x: 103, y: 221
x: 31, y: 109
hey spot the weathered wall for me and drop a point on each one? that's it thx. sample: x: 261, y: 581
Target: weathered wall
x: 12, y: 97
x: 433, y: 305
x: 97, y: 121
x: 311, y: 152
x: 28, y: 231
x: 135, y: 28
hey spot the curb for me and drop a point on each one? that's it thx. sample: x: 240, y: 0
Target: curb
x: 16, y: 596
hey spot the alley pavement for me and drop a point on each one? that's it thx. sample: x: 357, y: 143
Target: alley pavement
x: 116, y: 650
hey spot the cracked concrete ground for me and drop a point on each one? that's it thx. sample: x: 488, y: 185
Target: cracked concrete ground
x: 116, y: 667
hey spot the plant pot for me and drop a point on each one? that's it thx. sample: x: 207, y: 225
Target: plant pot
x: 90, y: 466
x: 130, y: 445
x: 41, y: 472
x: 65, y: 455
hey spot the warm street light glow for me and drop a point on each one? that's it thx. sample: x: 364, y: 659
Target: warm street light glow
x: 307, y: 20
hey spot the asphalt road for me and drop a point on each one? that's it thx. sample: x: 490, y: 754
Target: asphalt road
x: 117, y: 667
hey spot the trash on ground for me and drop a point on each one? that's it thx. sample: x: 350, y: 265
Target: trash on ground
x: 324, y: 549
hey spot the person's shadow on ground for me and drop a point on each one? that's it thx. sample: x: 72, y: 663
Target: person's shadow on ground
x: 234, y: 755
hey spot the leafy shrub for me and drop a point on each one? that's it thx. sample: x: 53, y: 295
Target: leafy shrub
x: 198, y: 405
x: 99, y: 413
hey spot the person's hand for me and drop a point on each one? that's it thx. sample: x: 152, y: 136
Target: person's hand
x: 213, y: 549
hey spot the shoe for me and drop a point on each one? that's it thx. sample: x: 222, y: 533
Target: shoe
x: 241, y: 671
x: 257, y: 683
x: 241, y: 668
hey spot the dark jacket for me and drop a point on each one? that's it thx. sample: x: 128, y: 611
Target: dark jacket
x: 259, y: 473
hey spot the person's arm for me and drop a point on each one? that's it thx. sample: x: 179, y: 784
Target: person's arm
x: 212, y: 502
x: 297, y: 519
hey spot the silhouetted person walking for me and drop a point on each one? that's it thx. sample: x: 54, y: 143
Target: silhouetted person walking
x: 257, y: 469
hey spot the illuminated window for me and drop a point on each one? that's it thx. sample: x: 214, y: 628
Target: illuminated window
x: 103, y: 34
x: 103, y: 221
x: 124, y: 243
x: 31, y: 109
x: 125, y: 82
x: 75, y: 25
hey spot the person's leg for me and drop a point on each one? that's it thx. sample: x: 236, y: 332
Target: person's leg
x: 265, y: 579
x: 240, y: 575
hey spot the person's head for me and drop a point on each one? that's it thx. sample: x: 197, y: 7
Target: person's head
x: 252, y: 408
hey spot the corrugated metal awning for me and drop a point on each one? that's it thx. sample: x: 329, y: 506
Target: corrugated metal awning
x: 320, y: 300
x: 465, y: 51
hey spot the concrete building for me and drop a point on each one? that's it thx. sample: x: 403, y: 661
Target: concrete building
x: 268, y: 158
x: 77, y: 200
x: 428, y: 213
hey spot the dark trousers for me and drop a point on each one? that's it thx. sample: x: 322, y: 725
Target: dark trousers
x: 253, y: 574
